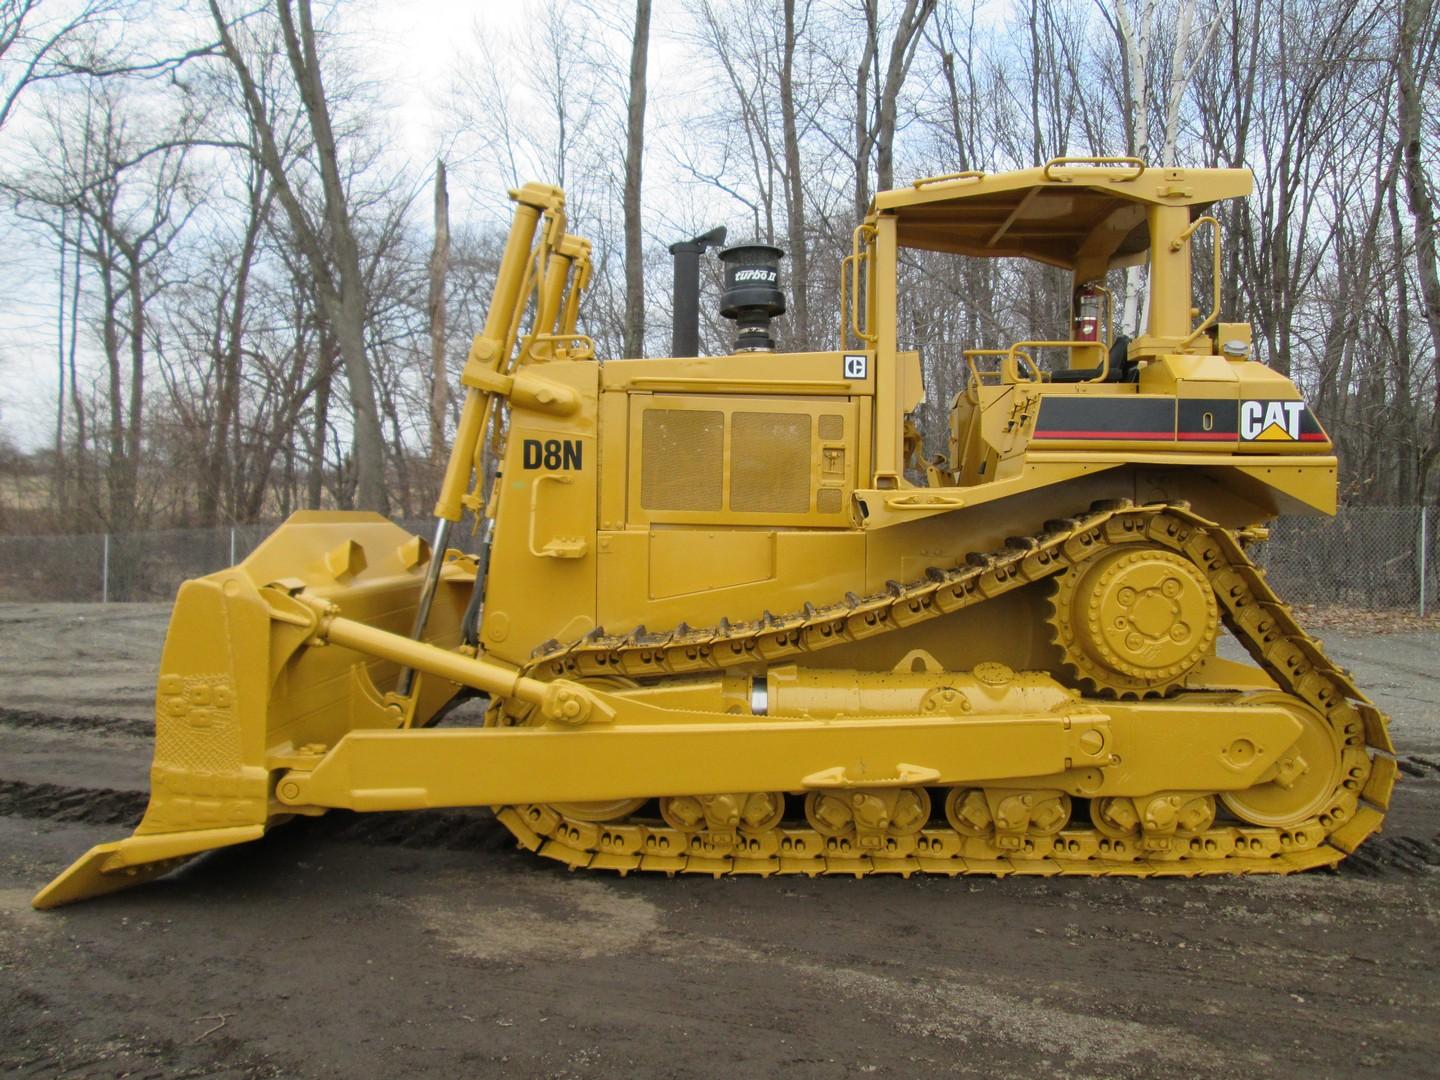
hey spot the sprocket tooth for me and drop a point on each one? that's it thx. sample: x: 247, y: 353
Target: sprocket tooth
x: 545, y: 648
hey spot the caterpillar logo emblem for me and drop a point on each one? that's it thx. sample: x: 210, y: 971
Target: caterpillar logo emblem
x: 1270, y: 421
x: 552, y: 454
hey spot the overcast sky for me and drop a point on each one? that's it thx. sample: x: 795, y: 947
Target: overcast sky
x: 412, y: 49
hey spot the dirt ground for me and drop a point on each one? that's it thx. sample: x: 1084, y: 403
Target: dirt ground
x: 426, y: 945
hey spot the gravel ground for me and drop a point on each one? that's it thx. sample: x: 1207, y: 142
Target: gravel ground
x: 425, y: 944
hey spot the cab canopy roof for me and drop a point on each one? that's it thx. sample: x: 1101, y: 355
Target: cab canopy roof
x: 1086, y: 216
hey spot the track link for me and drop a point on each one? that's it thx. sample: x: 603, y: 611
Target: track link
x: 1248, y: 606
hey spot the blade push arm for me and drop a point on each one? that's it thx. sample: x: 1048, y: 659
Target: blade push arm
x: 552, y: 271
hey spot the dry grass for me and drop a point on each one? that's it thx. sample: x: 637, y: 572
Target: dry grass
x: 1395, y: 621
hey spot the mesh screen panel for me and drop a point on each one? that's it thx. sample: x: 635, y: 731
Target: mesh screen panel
x: 832, y: 427
x: 827, y: 500
x: 683, y: 467
x: 770, y: 463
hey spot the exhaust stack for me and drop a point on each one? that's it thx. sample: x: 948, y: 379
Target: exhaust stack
x: 685, y: 329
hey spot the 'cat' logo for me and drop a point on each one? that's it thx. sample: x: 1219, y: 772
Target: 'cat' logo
x: 1270, y: 421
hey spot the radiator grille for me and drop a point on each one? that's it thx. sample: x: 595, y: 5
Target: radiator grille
x: 683, y: 466
x: 832, y: 427
x: 770, y: 463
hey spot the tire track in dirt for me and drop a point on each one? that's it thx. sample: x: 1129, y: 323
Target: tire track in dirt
x: 1381, y: 855
x: 86, y: 725
x: 449, y: 830
x: 1419, y: 767
x: 57, y: 802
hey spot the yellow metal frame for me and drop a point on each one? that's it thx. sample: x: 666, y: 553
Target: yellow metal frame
x: 1181, y: 241
x: 342, y: 635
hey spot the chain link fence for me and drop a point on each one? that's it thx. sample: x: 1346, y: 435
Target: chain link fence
x: 1368, y: 558
x: 138, y: 566
x: 1365, y: 558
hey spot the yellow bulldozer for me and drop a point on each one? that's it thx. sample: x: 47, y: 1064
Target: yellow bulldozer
x: 722, y: 628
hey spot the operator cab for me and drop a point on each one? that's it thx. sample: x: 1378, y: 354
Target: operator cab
x: 1087, y: 216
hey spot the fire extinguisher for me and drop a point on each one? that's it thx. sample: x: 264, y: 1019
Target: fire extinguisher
x: 1087, y: 314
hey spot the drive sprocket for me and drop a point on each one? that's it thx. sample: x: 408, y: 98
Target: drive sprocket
x: 1133, y: 621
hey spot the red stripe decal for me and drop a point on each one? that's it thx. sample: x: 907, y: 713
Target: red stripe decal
x: 1212, y: 436
x: 1164, y: 436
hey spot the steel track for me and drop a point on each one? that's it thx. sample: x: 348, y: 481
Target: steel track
x: 1248, y: 606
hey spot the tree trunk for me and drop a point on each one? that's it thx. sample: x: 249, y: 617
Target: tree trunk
x: 61, y: 487
x: 634, y: 338
x: 218, y: 485
x: 439, y: 264
x: 1135, y: 62
x: 136, y: 398
x: 864, y: 136
x: 902, y: 53
x: 1032, y: 21
x: 1401, y: 426
x: 315, y: 479
x: 794, y: 189
x: 115, y: 457
x: 1418, y: 195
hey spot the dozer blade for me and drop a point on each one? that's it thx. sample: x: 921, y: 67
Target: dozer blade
x: 238, y: 690
x: 119, y: 864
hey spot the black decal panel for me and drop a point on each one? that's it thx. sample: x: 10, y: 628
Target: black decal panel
x: 1115, y: 418
x: 1207, y: 420
x: 1084, y: 418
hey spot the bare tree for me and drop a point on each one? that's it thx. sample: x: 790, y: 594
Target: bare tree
x: 634, y: 160
x: 439, y: 265
x: 1414, y: 54
x: 329, y: 245
x: 877, y: 106
x: 794, y: 180
x: 129, y: 198
x: 35, y: 43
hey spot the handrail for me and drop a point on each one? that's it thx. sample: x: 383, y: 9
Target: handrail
x: 845, y: 301
x: 586, y: 350
x: 1103, y: 162
x: 967, y: 174
x: 1098, y: 346
x: 850, y: 314
x: 977, y: 377
x: 1009, y: 370
x: 1178, y: 243
x: 1011, y: 365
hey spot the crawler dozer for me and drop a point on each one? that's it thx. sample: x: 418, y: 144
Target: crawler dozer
x: 729, y: 622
